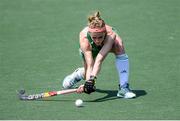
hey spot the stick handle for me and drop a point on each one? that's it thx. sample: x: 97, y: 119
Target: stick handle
x: 62, y: 92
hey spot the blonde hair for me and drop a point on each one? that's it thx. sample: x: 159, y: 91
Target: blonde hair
x: 95, y: 20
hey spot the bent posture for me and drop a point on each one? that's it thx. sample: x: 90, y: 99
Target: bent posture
x: 96, y: 41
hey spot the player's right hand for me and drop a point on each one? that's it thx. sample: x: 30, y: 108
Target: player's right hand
x: 80, y: 89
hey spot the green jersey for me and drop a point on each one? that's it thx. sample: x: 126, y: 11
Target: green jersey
x: 95, y: 49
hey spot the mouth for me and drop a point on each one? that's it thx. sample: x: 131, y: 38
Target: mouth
x: 98, y: 43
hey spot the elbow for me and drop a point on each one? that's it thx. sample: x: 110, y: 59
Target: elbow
x: 98, y: 62
x: 99, y: 59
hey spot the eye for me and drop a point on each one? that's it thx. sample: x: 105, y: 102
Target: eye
x: 98, y: 37
x: 94, y: 37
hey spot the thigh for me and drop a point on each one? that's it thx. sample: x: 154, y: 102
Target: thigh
x: 118, y: 47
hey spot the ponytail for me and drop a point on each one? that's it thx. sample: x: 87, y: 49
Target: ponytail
x: 95, y: 20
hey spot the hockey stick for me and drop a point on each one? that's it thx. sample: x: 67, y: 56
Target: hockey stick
x: 23, y: 96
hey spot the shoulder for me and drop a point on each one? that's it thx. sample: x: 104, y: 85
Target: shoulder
x: 110, y: 33
x: 84, y: 44
x: 109, y: 29
x: 83, y: 33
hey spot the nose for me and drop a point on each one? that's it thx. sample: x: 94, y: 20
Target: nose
x: 98, y: 42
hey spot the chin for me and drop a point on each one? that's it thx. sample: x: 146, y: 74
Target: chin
x: 98, y: 44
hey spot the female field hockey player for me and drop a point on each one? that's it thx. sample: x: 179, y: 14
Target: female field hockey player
x: 96, y: 41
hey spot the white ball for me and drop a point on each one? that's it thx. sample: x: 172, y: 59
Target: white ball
x: 79, y: 103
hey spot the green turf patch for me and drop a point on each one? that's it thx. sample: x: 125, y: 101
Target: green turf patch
x: 39, y: 47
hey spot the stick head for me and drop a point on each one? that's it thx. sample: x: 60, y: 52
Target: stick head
x: 22, y: 91
x: 21, y: 94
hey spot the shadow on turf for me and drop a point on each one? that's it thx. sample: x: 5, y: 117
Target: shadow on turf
x: 111, y: 95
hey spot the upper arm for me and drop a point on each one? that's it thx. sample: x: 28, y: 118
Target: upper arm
x: 107, y: 47
x: 86, y: 49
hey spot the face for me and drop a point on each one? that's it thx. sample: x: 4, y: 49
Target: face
x: 98, y: 37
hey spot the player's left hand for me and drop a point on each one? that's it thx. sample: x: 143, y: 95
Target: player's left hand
x: 89, y: 85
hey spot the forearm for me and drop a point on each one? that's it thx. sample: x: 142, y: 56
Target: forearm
x: 97, y: 64
x: 88, y: 72
x: 101, y: 56
x: 96, y: 68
